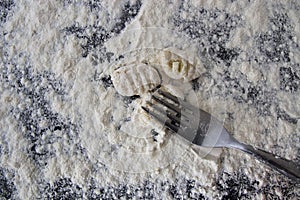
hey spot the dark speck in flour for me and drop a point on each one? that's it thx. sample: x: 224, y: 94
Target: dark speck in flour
x: 38, y: 122
x: 282, y: 114
x: 129, y: 100
x: 7, y: 187
x: 106, y: 81
x: 62, y: 189
x: 236, y: 185
x: 289, y: 78
x: 92, y: 37
x: 274, y: 45
x: 6, y: 7
x: 214, y: 37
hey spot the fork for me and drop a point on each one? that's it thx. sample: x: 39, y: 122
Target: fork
x: 201, y: 128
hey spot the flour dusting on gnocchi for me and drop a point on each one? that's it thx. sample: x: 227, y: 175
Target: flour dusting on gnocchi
x: 177, y: 67
x: 135, y: 79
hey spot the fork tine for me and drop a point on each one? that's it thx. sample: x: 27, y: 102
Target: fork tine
x: 169, y: 96
x: 161, y: 119
x: 173, y: 118
x: 168, y: 112
x: 184, y: 105
x: 167, y: 104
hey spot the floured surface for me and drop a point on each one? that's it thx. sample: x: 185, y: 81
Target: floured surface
x: 67, y: 133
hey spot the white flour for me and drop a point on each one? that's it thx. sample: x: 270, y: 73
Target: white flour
x: 130, y: 155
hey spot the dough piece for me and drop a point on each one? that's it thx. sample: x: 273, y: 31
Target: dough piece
x: 135, y: 79
x: 176, y: 67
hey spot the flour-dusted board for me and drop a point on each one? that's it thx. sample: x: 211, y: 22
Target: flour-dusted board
x: 70, y: 128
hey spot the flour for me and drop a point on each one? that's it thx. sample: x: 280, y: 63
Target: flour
x: 71, y: 116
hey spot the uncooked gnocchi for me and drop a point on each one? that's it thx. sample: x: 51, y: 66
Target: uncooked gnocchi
x: 135, y: 79
x: 176, y: 67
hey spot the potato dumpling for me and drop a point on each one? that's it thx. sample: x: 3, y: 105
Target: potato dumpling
x: 135, y: 79
x: 176, y: 67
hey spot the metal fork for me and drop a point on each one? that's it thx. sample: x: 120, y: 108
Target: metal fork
x: 201, y: 128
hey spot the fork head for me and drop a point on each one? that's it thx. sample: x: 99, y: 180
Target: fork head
x: 192, y: 123
x: 178, y: 116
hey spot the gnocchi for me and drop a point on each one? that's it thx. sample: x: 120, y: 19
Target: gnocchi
x: 176, y: 67
x: 135, y: 79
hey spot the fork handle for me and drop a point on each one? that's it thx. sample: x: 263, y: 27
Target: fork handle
x: 282, y: 165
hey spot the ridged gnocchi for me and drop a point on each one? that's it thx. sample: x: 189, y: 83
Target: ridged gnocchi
x: 176, y: 67
x: 135, y: 79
